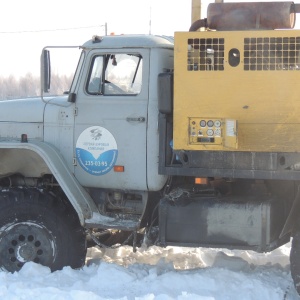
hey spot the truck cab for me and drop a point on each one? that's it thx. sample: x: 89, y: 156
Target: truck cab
x: 109, y: 134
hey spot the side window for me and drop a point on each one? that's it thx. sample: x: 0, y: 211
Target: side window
x: 116, y: 74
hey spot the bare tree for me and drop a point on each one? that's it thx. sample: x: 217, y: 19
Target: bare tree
x: 29, y: 86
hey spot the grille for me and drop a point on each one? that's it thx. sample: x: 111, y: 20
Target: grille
x: 205, y: 54
x: 271, y: 53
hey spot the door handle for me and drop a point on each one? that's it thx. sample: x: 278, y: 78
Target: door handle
x: 136, y: 119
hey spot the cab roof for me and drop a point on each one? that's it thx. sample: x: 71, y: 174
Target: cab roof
x: 130, y: 41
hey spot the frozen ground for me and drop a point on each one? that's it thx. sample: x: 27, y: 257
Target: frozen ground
x: 160, y: 274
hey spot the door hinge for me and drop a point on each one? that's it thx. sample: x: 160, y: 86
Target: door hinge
x: 74, y: 161
x: 75, y: 111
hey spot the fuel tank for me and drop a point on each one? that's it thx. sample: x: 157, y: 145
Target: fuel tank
x: 210, y: 221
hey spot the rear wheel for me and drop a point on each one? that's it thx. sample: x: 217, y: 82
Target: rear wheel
x: 295, y: 260
x: 36, y: 226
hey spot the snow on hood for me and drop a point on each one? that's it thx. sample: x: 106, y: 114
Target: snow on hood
x: 22, y: 110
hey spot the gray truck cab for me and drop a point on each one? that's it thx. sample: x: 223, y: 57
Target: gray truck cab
x: 109, y: 135
x: 85, y: 160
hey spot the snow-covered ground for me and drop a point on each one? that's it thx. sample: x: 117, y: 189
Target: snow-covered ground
x: 161, y: 274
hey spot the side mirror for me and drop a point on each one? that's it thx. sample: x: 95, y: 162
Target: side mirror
x: 45, y: 71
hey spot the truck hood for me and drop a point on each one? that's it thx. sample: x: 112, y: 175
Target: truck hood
x: 22, y: 110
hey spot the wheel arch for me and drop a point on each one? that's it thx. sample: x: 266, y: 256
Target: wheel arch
x: 37, y: 158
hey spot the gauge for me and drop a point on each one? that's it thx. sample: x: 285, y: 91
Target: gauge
x: 210, y: 132
x: 217, y: 123
x: 210, y: 123
x: 217, y: 131
x: 202, y: 123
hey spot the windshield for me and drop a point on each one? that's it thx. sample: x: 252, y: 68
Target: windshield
x: 77, y: 72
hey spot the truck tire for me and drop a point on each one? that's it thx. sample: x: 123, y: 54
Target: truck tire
x: 295, y: 260
x: 36, y: 226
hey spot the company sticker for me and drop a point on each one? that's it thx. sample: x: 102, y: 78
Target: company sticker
x: 96, y: 150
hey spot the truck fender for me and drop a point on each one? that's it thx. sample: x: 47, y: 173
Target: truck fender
x: 77, y: 195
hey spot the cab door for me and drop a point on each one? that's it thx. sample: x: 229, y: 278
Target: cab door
x: 111, y: 120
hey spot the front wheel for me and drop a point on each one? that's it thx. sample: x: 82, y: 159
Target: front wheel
x: 36, y: 226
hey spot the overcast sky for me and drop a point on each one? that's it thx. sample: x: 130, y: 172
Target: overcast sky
x: 26, y: 26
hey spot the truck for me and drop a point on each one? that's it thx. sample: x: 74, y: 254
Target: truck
x: 189, y: 140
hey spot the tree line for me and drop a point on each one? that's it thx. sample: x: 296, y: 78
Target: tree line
x: 30, y: 86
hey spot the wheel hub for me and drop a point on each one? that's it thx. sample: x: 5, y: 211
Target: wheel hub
x: 24, y: 242
x: 26, y: 253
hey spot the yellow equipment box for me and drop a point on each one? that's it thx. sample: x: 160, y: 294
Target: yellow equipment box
x: 237, y: 91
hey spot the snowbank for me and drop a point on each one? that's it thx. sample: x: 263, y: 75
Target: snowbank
x: 160, y: 274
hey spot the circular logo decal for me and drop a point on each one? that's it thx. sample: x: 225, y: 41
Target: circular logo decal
x: 96, y: 150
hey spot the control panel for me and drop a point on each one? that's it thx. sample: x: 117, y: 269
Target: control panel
x: 206, y: 131
x: 213, y: 131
